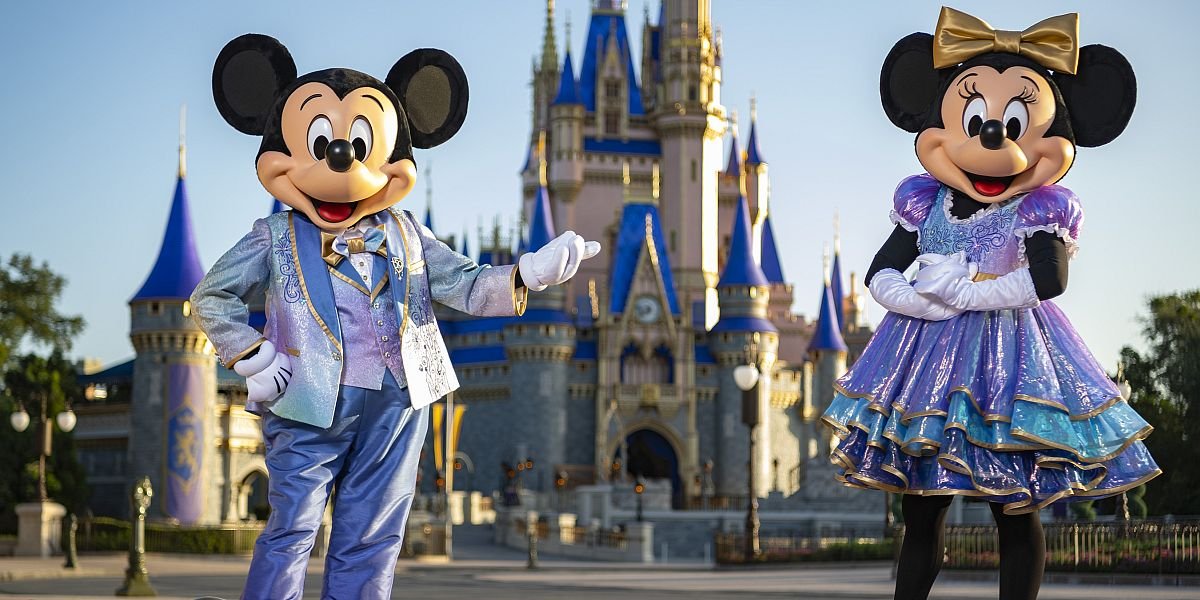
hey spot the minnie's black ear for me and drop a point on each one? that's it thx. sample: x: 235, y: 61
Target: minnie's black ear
x: 908, y: 83
x: 250, y: 72
x: 1100, y: 95
x: 432, y: 87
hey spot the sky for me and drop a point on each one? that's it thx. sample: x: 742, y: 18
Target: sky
x: 91, y: 110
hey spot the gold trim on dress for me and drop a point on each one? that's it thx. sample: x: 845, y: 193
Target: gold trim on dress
x: 1141, y: 434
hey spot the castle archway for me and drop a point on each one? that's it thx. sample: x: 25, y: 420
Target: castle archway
x: 651, y: 456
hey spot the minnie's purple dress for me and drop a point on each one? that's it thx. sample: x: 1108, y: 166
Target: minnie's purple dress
x: 1007, y: 405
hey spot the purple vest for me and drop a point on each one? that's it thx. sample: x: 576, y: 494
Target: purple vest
x: 369, y: 326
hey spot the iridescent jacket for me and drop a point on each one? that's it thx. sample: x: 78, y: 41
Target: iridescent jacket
x: 282, y: 257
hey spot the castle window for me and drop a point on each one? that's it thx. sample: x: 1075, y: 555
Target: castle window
x: 612, y: 123
x: 637, y: 369
x: 692, y: 93
x: 612, y: 89
x: 155, y: 308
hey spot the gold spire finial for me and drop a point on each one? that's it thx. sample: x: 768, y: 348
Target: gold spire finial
x: 825, y: 261
x: 182, y: 141
x: 568, y: 32
x: 753, y: 107
x: 837, y: 233
x: 655, y: 182
x: 542, y: 167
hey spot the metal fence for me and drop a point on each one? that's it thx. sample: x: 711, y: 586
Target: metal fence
x: 731, y: 548
x: 1150, y: 546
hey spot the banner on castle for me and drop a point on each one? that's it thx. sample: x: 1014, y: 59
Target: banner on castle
x: 185, y: 433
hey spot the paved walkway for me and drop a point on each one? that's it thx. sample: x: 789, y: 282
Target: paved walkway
x: 485, y: 571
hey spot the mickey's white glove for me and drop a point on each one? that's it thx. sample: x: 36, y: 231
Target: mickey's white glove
x: 892, y: 291
x: 267, y: 373
x: 555, y: 262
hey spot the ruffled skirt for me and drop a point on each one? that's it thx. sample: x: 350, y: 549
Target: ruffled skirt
x: 1006, y: 405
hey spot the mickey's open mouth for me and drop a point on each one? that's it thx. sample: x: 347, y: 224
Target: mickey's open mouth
x: 990, y: 186
x: 334, y: 212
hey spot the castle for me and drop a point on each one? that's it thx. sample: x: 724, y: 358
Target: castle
x: 625, y: 371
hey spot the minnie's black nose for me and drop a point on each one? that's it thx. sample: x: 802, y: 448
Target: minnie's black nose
x: 340, y: 155
x: 991, y: 135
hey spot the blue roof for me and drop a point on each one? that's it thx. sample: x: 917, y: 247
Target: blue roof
x: 753, y: 154
x: 485, y: 257
x: 541, y: 226
x: 770, y: 254
x: 118, y: 372
x: 828, y: 336
x: 277, y: 206
x: 616, y: 146
x: 602, y: 28
x: 585, y: 350
x: 734, y: 165
x: 529, y: 152
x: 466, y: 250
x: 177, y: 269
x: 568, y: 86
x: 477, y: 355
x: 743, y: 324
x: 429, y: 218
x: 835, y: 288
x: 630, y: 241
x: 704, y: 355
x: 740, y: 266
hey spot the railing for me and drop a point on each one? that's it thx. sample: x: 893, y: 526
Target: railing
x: 1151, y: 546
x: 104, y: 534
x: 731, y: 548
x: 604, y: 538
x: 715, y: 503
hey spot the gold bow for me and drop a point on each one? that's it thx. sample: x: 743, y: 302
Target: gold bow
x: 1052, y: 43
x: 353, y: 246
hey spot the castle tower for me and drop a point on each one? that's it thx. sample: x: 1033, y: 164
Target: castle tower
x: 691, y: 122
x: 545, y: 74
x: 174, y: 373
x: 758, y: 184
x: 743, y: 335
x: 827, y: 351
x: 731, y: 186
x: 566, y: 148
x: 835, y: 278
x: 539, y: 346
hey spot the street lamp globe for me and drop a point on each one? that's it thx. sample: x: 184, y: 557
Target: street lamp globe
x: 66, y: 420
x: 745, y: 376
x: 19, y: 420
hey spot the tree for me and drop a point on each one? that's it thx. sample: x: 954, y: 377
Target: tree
x: 28, y: 295
x: 1166, y: 391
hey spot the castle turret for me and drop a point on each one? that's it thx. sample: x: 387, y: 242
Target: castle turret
x: 827, y: 351
x: 743, y: 335
x: 566, y: 145
x: 691, y: 122
x: 758, y: 184
x: 835, y: 278
x: 731, y: 186
x: 545, y: 75
x: 174, y: 373
x: 539, y: 346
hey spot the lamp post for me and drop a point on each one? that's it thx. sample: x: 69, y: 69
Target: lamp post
x: 746, y: 378
x: 66, y: 422
x: 639, y: 488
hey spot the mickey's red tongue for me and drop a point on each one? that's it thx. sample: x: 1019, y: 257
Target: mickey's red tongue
x: 990, y: 187
x: 336, y: 213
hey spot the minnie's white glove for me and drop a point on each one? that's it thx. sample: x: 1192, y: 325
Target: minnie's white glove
x: 555, y: 262
x: 1014, y: 290
x: 892, y: 291
x: 267, y: 373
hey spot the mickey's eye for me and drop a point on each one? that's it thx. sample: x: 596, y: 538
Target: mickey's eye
x: 974, y: 115
x: 360, y: 138
x: 1016, y: 119
x: 320, y: 132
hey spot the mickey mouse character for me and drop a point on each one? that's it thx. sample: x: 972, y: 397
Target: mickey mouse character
x: 975, y: 383
x: 351, y: 353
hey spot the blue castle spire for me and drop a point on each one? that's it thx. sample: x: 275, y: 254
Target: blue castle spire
x: 835, y: 287
x: 568, y: 86
x: 607, y: 23
x: 734, y: 165
x: 466, y: 250
x: 827, y: 336
x: 541, y: 226
x: 741, y: 268
x: 770, y: 255
x: 177, y: 269
x: 753, y: 154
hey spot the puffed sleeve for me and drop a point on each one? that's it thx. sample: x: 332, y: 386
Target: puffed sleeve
x: 913, y: 200
x: 1053, y: 209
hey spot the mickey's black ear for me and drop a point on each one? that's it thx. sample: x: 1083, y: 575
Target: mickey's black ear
x: 250, y: 72
x: 1100, y: 95
x: 908, y: 83
x: 433, y: 89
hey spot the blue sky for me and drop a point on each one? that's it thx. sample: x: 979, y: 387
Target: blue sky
x: 93, y: 90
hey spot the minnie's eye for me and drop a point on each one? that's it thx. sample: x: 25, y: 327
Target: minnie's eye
x: 360, y: 138
x: 320, y: 131
x: 974, y: 115
x: 1016, y: 119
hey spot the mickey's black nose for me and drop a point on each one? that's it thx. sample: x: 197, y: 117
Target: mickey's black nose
x: 340, y: 155
x: 991, y: 135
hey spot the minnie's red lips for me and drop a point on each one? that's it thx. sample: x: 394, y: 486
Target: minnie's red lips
x: 990, y: 186
x: 334, y: 212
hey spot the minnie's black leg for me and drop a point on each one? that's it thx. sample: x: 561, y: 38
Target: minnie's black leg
x: 1022, y: 554
x: 924, y: 546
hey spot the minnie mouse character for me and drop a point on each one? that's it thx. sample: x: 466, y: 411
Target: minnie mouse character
x: 975, y: 384
x: 351, y: 353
